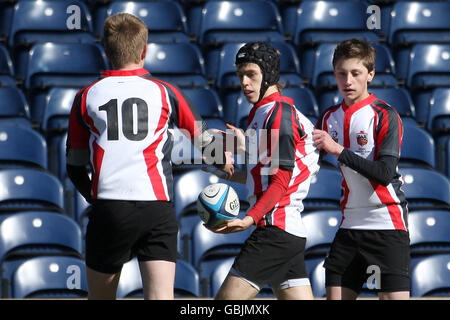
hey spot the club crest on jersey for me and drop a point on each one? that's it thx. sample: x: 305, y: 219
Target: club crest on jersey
x: 362, y: 138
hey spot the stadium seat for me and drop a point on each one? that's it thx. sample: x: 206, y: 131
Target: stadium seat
x: 30, y: 189
x: 385, y: 73
x: 14, y: 108
x: 209, y: 249
x: 64, y: 65
x: 206, y: 101
x: 431, y: 276
x: 22, y: 147
x: 187, y: 282
x: 425, y: 189
x: 239, y: 21
x: 50, y: 277
x: 130, y: 282
x: 417, y: 149
x: 6, y: 68
x: 179, y: 63
x: 35, y: 233
x: 325, y: 191
x: 428, y: 230
x: 323, y: 74
x: 429, y: 66
x: 331, y: 21
x: 321, y: 227
x: 47, y: 21
x: 304, y: 101
x: 165, y: 20
x: 439, y: 114
x: 419, y: 21
x: 219, y: 274
x: 56, y: 110
x: 50, y: 20
x: 316, y: 274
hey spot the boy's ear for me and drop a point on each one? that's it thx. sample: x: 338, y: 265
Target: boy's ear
x: 371, y: 75
x: 144, y: 52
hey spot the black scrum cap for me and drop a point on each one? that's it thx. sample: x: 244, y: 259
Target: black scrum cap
x: 266, y: 57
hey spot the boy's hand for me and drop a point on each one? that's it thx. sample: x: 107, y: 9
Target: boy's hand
x: 324, y: 141
x: 235, y: 225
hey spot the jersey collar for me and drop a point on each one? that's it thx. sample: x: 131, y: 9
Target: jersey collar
x: 370, y: 99
x: 276, y: 96
x: 121, y: 73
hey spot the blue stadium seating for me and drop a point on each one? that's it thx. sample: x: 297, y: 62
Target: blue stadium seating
x: 439, y: 114
x: 331, y: 21
x: 64, y: 65
x: 219, y: 274
x: 323, y: 74
x: 419, y: 21
x: 50, y: 20
x: 304, y: 101
x: 316, y: 274
x: 321, y: 227
x: 425, y: 188
x: 14, y: 108
x: 165, y: 20
x: 22, y: 147
x: 206, y: 101
x: 385, y: 72
x: 325, y: 191
x: 47, y: 21
x: 187, y: 281
x: 428, y: 230
x: 240, y: 21
x: 35, y: 233
x: 431, y: 276
x: 418, y: 148
x: 130, y: 282
x: 50, y: 277
x: 429, y: 66
x: 179, y: 63
x: 30, y: 189
x: 56, y: 109
x: 6, y: 68
x: 209, y: 249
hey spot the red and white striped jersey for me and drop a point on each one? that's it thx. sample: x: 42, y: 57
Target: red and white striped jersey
x: 123, y: 119
x: 369, y: 128
x: 279, y: 132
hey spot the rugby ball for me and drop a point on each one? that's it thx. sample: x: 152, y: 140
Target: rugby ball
x: 217, y: 204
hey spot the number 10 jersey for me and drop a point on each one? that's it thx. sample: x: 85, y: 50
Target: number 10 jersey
x: 123, y: 120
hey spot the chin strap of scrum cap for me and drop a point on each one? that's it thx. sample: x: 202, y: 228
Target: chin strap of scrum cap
x: 266, y: 57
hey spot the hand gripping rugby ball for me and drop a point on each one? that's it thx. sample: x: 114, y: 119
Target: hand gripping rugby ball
x: 217, y: 204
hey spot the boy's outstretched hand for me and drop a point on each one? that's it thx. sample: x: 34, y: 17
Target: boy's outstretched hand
x: 235, y: 225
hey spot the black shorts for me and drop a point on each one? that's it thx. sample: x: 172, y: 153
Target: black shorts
x: 119, y: 230
x: 274, y: 257
x: 358, y: 256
